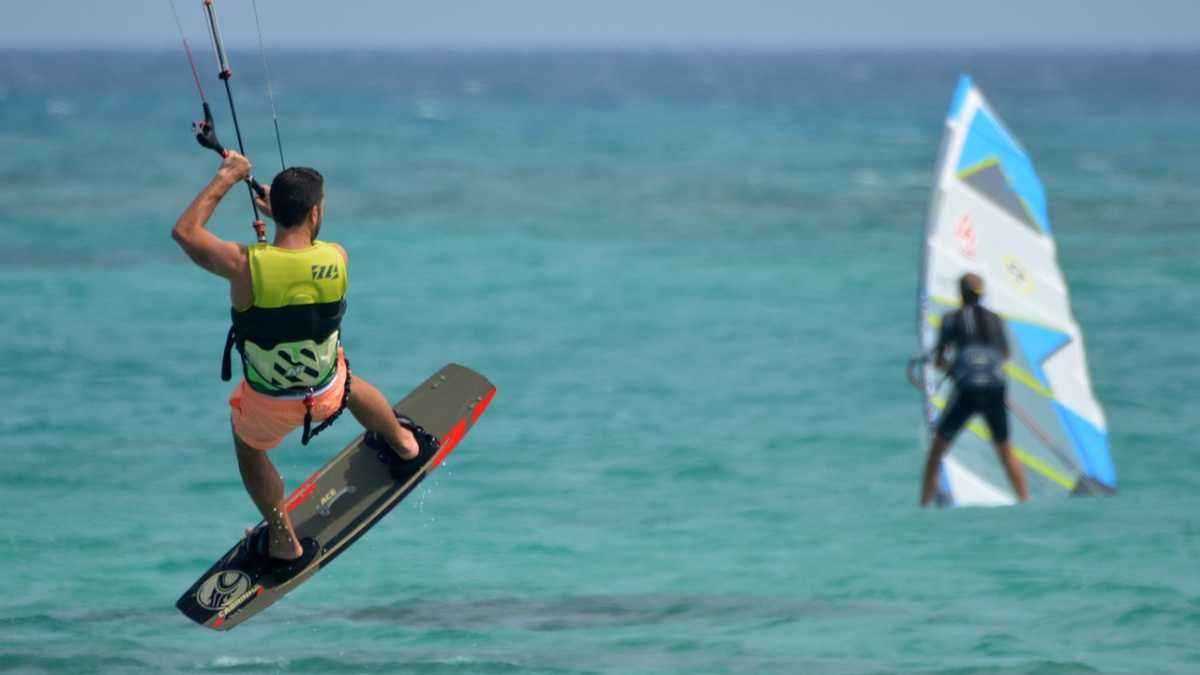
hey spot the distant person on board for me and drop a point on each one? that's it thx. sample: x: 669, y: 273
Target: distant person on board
x: 288, y: 300
x: 980, y: 349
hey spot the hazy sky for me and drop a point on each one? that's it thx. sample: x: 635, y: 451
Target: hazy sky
x: 769, y: 23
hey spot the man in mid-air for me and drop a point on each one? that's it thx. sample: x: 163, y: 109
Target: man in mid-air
x: 980, y: 349
x: 288, y: 300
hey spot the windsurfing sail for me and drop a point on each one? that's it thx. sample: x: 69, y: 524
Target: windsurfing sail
x: 988, y: 216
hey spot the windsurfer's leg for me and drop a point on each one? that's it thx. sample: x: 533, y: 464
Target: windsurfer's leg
x: 374, y: 412
x: 265, y: 486
x: 933, y: 464
x: 995, y: 414
x: 954, y: 416
x: 1012, y: 467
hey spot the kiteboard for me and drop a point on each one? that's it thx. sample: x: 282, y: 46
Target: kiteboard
x: 343, y: 499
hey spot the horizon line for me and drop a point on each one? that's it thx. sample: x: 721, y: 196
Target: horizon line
x: 1143, y: 47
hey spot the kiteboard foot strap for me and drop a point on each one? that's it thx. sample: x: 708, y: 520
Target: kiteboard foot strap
x: 280, y: 569
x: 399, y: 467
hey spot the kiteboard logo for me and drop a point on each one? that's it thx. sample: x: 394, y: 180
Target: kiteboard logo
x: 326, y: 506
x: 232, y: 605
x: 220, y: 588
x: 965, y: 231
x: 1018, y: 277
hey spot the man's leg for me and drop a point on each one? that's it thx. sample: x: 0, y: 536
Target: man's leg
x: 956, y: 413
x: 933, y: 464
x: 374, y: 412
x: 995, y: 413
x: 1012, y: 467
x: 265, y: 486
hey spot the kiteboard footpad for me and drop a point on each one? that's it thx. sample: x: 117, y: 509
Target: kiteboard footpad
x: 400, y: 468
x: 257, y: 551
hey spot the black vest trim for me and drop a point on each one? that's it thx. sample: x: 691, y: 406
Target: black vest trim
x: 268, y: 327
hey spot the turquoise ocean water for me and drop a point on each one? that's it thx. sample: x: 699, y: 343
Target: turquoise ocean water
x: 692, y: 276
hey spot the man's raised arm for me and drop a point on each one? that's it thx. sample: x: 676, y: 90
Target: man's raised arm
x: 223, y: 258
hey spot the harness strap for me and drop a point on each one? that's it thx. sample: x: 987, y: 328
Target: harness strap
x: 309, y: 430
x: 226, y: 361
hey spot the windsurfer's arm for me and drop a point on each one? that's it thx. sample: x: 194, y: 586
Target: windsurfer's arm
x: 939, y: 357
x: 223, y: 258
x: 939, y: 352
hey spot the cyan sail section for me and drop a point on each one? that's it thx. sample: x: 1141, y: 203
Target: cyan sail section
x: 989, y: 216
x: 999, y: 167
x: 1036, y: 344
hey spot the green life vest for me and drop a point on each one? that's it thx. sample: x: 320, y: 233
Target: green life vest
x: 288, y: 338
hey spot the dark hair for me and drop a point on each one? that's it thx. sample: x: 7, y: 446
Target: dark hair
x: 293, y: 194
x: 971, y: 287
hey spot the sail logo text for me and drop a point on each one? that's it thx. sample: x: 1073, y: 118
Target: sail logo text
x: 966, y: 236
x: 1018, y: 277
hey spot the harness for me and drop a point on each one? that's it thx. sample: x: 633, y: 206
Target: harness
x: 979, y: 364
x: 288, y: 339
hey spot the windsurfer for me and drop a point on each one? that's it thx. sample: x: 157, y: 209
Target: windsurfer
x: 980, y: 349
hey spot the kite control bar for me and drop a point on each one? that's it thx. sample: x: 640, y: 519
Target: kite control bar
x: 205, y: 130
x: 206, y: 136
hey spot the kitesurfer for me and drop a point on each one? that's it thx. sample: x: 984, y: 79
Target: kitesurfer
x: 288, y: 300
x: 977, y: 370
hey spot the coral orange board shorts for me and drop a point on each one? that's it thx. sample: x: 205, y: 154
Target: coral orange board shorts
x: 263, y: 421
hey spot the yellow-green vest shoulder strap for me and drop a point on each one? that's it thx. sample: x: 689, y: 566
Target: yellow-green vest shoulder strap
x: 282, y: 277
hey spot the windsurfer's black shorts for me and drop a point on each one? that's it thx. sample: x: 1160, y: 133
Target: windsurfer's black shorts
x: 965, y: 402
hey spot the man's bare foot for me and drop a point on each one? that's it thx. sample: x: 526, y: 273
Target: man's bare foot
x: 403, y: 442
x: 408, y: 442
x: 376, y: 415
x: 280, y: 551
x: 400, y: 441
x: 284, y: 547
